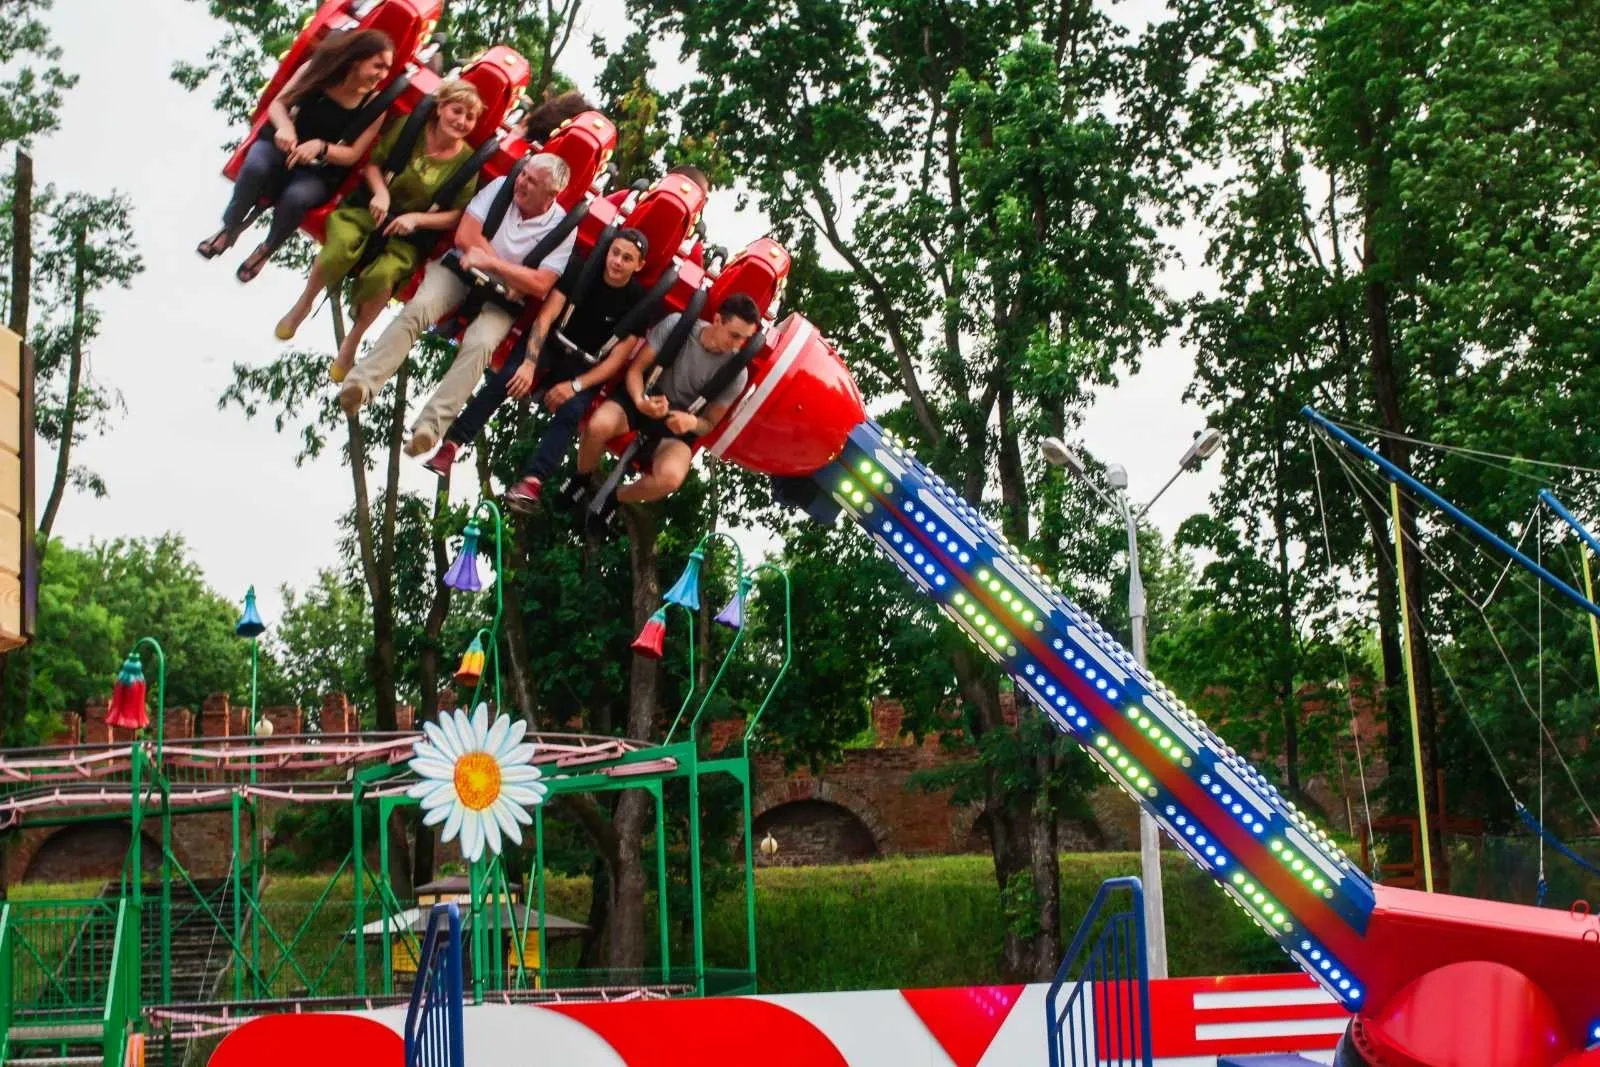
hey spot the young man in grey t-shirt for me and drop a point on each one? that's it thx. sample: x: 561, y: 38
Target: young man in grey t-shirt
x: 666, y: 409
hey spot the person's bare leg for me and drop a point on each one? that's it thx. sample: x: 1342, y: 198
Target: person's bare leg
x: 667, y: 471
x: 315, y: 284
x: 366, y: 314
x: 607, y: 422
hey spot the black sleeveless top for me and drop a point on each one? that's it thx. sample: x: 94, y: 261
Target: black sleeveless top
x: 320, y: 117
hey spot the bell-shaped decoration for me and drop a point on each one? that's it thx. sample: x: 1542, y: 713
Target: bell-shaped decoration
x: 127, y: 696
x: 652, y: 638
x: 471, y: 670
x: 249, y: 624
x: 732, y: 616
x: 463, y: 573
x: 685, y: 592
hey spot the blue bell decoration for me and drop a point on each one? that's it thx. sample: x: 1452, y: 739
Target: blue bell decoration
x: 463, y: 573
x: 686, y: 591
x: 732, y: 616
x: 249, y: 624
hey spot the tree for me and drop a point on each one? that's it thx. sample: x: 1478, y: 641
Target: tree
x: 89, y: 246
x: 990, y: 206
x: 319, y: 640
x: 30, y: 99
x: 94, y: 602
x: 1396, y: 244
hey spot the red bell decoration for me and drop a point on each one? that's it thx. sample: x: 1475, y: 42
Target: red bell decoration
x: 653, y: 637
x: 127, y: 697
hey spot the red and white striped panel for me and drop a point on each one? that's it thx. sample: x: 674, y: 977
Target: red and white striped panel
x: 1194, y: 1020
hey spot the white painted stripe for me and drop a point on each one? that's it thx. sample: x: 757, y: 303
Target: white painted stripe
x: 1095, y: 654
x: 1270, y: 1028
x: 1174, y: 724
x: 1021, y: 583
x: 1241, y: 789
x: 1311, y: 852
x: 1264, y: 998
x: 888, y: 462
x: 752, y: 402
x: 946, y: 516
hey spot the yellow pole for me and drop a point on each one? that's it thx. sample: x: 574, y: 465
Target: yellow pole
x: 1411, y: 685
x: 1594, y: 623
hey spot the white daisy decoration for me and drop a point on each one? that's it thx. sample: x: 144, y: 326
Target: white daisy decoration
x: 478, y: 779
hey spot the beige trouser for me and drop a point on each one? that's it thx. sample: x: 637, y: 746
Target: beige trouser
x: 440, y: 293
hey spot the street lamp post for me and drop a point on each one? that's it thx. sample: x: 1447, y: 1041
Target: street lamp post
x: 1058, y: 454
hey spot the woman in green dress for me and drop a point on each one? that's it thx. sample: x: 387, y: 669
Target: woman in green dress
x: 404, y: 201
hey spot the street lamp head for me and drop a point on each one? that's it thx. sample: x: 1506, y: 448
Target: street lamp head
x: 1058, y: 454
x: 1117, y: 476
x: 1205, y: 443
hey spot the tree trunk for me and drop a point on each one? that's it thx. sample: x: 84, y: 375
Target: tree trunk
x: 633, y: 807
x: 1387, y: 394
x: 69, y: 418
x: 21, y: 244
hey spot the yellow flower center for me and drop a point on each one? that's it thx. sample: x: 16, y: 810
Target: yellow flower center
x: 477, y: 780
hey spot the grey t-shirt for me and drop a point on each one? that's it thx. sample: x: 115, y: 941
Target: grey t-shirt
x: 694, y: 367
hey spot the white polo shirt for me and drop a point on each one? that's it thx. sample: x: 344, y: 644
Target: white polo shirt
x: 518, y: 234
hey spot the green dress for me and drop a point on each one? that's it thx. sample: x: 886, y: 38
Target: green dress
x: 412, y: 189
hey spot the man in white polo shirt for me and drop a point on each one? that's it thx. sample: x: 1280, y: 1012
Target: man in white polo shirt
x: 532, y: 213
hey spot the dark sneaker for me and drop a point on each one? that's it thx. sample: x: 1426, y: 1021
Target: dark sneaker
x: 523, y: 498
x: 572, y: 493
x: 441, y: 461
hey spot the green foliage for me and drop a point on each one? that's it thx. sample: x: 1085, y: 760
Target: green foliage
x: 319, y: 642
x: 94, y: 602
x: 31, y: 92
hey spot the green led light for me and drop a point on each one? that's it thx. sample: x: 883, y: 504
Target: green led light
x: 877, y: 477
x: 1319, y: 885
x: 960, y: 598
x: 1165, y: 743
x: 846, y: 486
x: 1027, y: 616
x: 859, y: 497
x: 983, y: 575
x: 1144, y: 783
x: 1155, y: 731
x: 866, y: 465
x: 1276, y: 846
x: 1112, y: 751
x: 969, y: 609
x: 1101, y: 740
x: 1299, y: 865
x: 1238, y: 879
x: 1122, y: 761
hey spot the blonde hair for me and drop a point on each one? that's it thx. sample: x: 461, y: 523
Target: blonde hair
x: 457, y: 91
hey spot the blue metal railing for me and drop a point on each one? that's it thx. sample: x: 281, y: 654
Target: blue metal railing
x: 1105, y: 1018
x: 434, y: 1028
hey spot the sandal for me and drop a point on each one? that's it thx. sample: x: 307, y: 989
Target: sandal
x: 253, y: 263
x: 216, y: 244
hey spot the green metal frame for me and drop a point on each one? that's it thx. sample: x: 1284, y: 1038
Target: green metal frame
x: 267, y: 960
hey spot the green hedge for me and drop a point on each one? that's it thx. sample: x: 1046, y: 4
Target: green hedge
x: 887, y: 924
x: 937, y: 921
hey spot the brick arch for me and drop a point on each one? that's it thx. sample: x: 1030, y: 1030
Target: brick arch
x: 964, y: 824
x: 23, y: 856
x: 791, y: 790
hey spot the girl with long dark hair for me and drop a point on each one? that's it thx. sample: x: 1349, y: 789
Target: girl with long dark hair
x: 311, y: 144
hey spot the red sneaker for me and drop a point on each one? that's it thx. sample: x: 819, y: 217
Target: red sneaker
x: 523, y: 497
x: 441, y: 461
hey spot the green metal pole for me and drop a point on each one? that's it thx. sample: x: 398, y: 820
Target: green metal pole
x: 475, y: 890
x: 738, y: 562
x: 166, y: 896
x: 383, y: 905
x: 661, y: 881
x: 749, y: 732
x: 257, y: 918
x: 499, y: 588
x: 136, y: 824
x: 238, y: 903
x: 694, y: 865
x: 161, y: 690
x: 489, y: 644
x: 538, y: 859
x: 358, y: 866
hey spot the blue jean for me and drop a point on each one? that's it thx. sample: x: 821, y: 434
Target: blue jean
x: 293, y: 192
x: 558, y: 436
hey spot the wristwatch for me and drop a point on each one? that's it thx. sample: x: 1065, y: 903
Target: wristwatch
x: 577, y: 385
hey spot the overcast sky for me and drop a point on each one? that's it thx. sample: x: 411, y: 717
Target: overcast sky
x: 230, y: 486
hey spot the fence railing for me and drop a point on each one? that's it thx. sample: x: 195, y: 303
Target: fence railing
x: 1098, y: 1007
x: 61, y: 956
x: 6, y: 997
x: 122, y: 986
x: 434, y: 1028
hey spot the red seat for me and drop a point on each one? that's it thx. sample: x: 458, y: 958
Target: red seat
x: 406, y: 22
x: 666, y: 214
x: 499, y: 76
